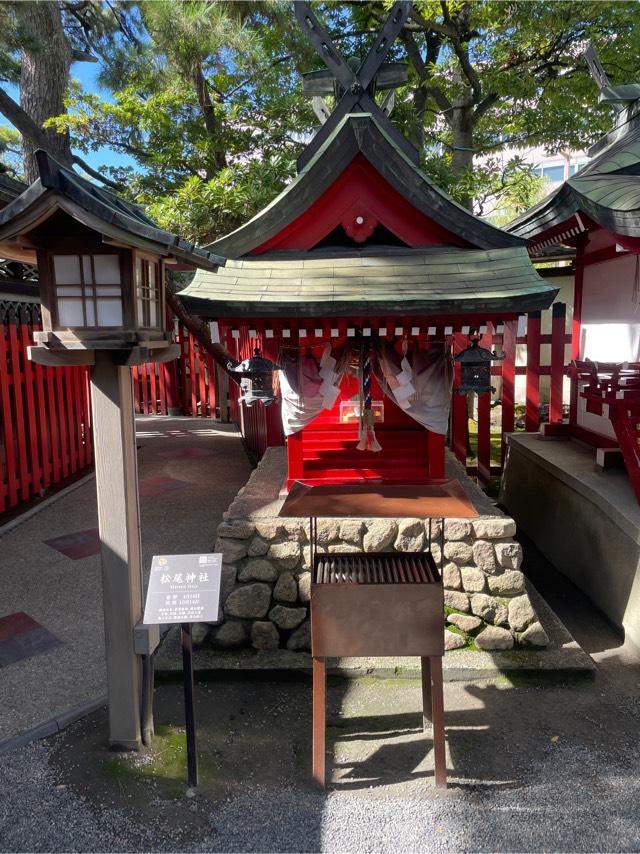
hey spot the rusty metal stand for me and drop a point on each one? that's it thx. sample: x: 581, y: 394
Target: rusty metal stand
x: 319, y: 690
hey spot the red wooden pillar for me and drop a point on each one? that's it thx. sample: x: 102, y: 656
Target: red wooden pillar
x: 294, y: 457
x: 532, y: 414
x: 576, y: 324
x: 557, y: 361
x: 508, y: 380
x: 435, y: 454
x: 459, y: 411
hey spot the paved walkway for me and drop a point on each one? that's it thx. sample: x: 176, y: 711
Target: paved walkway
x: 51, y: 626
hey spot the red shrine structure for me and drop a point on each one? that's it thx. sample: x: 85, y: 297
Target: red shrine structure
x: 361, y: 270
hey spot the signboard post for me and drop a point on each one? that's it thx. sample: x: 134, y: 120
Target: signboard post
x: 185, y: 589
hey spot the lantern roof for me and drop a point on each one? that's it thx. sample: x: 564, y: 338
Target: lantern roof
x: 59, y: 188
x: 361, y: 134
x: 391, y: 280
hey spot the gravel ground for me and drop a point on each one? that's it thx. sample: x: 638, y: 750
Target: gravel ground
x: 579, y: 791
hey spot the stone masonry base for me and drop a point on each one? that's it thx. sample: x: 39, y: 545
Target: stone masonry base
x: 267, y: 579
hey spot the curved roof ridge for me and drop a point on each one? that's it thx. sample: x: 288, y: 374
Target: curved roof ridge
x: 360, y: 133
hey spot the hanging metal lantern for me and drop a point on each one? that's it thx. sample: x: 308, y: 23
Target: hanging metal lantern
x: 257, y: 379
x: 475, y: 365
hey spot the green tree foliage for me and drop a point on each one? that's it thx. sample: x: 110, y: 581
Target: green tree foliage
x: 206, y: 100
x: 204, y: 96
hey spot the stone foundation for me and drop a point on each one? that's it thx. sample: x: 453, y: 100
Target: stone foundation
x: 267, y: 578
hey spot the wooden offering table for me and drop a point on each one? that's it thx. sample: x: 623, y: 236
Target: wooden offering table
x: 378, y: 604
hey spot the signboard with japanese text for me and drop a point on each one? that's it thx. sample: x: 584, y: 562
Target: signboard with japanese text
x: 184, y: 589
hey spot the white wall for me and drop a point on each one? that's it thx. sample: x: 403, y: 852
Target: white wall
x: 610, y: 322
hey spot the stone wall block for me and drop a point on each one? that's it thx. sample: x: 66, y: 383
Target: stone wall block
x: 251, y: 601
x: 351, y: 531
x: 257, y: 547
x: 456, y: 599
x: 405, y: 543
x: 436, y: 528
x: 473, y: 579
x: 509, y: 555
x: 295, y: 529
x: 379, y: 535
x: 270, y: 529
x: 509, y: 583
x: 301, y: 638
x: 287, y: 618
x: 257, y: 569
x: 493, y: 637
x: 286, y: 555
x: 494, y: 527
x: 327, y: 531
x: 227, y: 581
x: 343, y: 547
x: 451, y: 577
x: 521, y: 613
x: 490, y: 609
x: 230, y: 549
x: 304, y: 587
x: 484, y: 556
x: 264, y: 635
x: 306, y: 556
x: 229, y: 634
x: 239, y: 529
x: 436, y: 554
x: 286, y: 589
x: 465, y: 622
x: 452, y: 640
x: 461, y: 553
x: 457, y: 529
x: 535, y: 635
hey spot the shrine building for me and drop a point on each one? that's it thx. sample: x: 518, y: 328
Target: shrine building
x: 361, y: 270
x: 591, y: 482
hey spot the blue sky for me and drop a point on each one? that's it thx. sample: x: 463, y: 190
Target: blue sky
x: 86, y: 73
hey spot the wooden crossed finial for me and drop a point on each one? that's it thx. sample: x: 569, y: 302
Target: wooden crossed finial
x: 355, y: 87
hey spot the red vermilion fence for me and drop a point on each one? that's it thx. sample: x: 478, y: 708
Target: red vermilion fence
x: 45, y: 424
x: 45, y: 414
x: 186, y: 386
x: 523, y: 357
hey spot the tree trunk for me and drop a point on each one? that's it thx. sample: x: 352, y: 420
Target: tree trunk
x: 44, y: 77
x: 462, y: 156
x: 218, y: 159
x: 416, y: 128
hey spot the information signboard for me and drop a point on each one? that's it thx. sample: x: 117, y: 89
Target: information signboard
x: 184, y: 589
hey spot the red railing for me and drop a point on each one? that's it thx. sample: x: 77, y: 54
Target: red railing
x: 45, y: 414
x: 496, y: 413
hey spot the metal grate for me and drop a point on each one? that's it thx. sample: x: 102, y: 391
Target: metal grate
x: 392, y: 568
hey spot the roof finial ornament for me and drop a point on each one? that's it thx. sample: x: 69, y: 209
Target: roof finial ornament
x: 354, y: 87
x: 621, y: 97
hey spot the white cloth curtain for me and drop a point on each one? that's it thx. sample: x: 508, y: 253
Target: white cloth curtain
x: 307, y: 386
x: 420, y: 382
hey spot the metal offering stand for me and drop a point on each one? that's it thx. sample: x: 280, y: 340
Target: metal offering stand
x: 383, y: 603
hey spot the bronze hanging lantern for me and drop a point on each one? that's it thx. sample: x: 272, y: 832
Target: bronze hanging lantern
x: 256, y: 382
x: 475, y: 365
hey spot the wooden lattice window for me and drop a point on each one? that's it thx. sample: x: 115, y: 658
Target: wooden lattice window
x: 148, y: 293
x: 88, y: 290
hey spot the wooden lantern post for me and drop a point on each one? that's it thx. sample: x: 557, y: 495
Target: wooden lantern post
x: 101, y: 267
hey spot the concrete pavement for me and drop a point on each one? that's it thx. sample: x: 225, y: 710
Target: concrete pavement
x: 52, y: 657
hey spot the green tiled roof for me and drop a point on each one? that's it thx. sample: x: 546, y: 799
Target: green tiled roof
x: 390, y: 280
x: 359, y: 133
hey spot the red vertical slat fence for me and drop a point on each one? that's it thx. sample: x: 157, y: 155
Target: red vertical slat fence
x: 45, y: 428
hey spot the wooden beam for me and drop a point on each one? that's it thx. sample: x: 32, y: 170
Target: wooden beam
x: 41, y: 355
